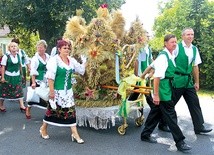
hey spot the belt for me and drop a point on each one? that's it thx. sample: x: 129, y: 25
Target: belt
x: 182, y: 74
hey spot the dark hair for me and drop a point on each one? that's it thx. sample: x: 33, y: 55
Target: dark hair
x: 58, y: 38
x: 61, y: 43
x: 16, y: 40
x: 168, y: 37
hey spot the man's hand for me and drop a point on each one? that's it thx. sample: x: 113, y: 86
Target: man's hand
x: 196, y: 85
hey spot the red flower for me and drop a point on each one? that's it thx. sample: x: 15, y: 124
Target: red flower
x: 48, y: 113
x: 66, y: 115
x: 104, y: 6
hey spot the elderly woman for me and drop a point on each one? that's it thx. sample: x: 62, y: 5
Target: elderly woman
x: 11, y: 80
x: 61, y: 108
x: 38, y: 70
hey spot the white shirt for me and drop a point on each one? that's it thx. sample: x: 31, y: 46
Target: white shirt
x: 161, y: 64
x: 145, y: 52
x: 189, y: 53
x: 35, y: 63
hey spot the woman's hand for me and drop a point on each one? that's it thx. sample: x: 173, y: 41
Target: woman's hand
x: 33, y: 85
x: 3, y: 80
x: 51, y: 95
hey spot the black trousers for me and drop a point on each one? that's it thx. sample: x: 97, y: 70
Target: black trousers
x: 167, y: 110
x: 191, y: 98
x: 149, y: 100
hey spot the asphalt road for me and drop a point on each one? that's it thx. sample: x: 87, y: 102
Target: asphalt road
x: 20, y: 136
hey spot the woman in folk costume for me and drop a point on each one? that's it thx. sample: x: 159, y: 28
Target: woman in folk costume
x: 61, y: 108
x: 25, y: 61
x: 38, y: 70
x: 11, y: 81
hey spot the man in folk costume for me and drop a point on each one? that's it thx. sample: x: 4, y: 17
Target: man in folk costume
x: 187, y: 61
x: 162, y: 96
x: 144, y: 59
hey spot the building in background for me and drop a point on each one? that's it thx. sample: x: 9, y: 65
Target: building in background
x: 4, y: 39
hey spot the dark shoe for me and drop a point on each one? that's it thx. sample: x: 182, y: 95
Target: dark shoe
x: 183, y: 147
x: 203, y: 130
x: 164, y: 128
x: 148, y: 139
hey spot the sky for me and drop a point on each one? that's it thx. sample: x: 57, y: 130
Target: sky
x: 146, y: 10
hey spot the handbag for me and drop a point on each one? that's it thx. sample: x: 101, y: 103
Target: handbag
x: 43, y: 91
x: 31, y: 95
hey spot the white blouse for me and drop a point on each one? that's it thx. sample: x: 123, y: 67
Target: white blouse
x: 57, y: 61
x: 35, y: 63
x: 14, y: 60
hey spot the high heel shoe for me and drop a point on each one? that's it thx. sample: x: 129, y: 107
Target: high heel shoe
x: 22, y: 109
x: 3, y: 110
x: 43, y: 136
x: 28, y: 116
x: 79, y: 141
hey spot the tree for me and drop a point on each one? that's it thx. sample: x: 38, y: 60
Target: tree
x: 198, y: 14
x: 47, y: 17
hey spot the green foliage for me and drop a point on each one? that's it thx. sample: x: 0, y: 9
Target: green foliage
x: 27, y: 40
x: 46, y: 18
x: 198, y: 14
x: 206, y: 46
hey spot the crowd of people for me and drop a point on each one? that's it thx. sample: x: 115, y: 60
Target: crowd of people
x: 172, y: 80
x: 56, y: 72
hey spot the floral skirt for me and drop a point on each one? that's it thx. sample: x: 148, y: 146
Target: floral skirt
x: 65, y: 117
x: 12, y: 89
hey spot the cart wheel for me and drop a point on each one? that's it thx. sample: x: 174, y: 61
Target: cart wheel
x: 122, y: 129
x: 139, y: 121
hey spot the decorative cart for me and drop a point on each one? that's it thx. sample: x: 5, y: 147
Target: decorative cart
x: 103, y: 92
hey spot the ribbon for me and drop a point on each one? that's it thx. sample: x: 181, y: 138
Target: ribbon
x: 117, y: 67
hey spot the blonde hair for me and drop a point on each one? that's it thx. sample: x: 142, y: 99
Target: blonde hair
x: 42, y: 42
x: 12, y: 43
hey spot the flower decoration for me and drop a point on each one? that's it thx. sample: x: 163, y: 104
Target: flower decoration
x: 104, y: 5
x: 89, y: 93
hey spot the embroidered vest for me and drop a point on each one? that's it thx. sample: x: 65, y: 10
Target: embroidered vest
x: 13, y: 67
x: 147, y: 61
x: 165, y: 85
x: 41, y: 70
x: 63, y: 79
x: 183, y: 77
x: 23, y: 57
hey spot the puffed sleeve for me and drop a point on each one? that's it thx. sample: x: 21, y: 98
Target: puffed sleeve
x: 78, y: 68
x: 51, y: 68
x: 4, y: 60
x: 34, y: 65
